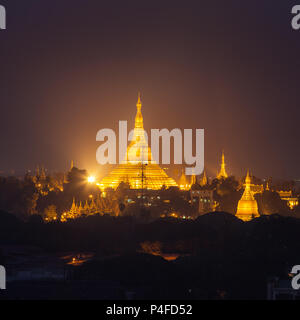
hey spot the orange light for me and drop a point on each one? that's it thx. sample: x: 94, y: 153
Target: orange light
x: 91, y: 179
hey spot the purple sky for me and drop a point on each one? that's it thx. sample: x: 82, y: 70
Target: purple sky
x: 70, y: 68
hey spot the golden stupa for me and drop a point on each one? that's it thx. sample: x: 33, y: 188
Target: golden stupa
x: 183, y: 182
x: 138, y: 168
x: 247, y: 207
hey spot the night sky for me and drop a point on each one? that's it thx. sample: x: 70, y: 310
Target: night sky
x: 72, y: 67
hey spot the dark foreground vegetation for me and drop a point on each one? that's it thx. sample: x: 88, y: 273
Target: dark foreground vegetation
x: 219, y: 255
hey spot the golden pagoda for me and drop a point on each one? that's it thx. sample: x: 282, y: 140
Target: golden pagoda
x: 222, y: 174
x: 139, y: 169
x: 203, y: 181
x: 247, y: 207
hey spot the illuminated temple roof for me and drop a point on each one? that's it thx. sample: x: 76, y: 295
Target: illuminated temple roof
x: 247, y: 206
x: 138, y: 168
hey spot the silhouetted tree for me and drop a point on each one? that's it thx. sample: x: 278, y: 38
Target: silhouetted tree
x: 269, y: 202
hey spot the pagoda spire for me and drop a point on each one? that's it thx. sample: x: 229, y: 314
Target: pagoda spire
x: 139, y: 99
x: 139, y: 123
x: 248, y: 179
x: 222, y: 173
x: 73, y: 209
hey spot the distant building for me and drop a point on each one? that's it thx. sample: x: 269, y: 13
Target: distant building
x: 282, y: 290
x: 288, y: 197
x: 256, y: 188
x: 205, y: 200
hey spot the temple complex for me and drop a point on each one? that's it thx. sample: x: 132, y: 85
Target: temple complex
x: 100, y: 205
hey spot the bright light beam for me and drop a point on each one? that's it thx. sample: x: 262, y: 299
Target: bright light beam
x: 91, y: 179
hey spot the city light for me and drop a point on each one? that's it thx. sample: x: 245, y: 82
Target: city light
x: 91, y: 179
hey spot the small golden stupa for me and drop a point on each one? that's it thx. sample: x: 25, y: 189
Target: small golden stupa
x: 247, y: 207
x: 139, y: 169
